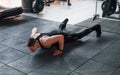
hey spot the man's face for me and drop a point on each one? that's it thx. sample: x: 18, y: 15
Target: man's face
x: 33, y: 48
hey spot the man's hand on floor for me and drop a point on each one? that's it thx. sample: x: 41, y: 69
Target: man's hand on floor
x: 57, y: 52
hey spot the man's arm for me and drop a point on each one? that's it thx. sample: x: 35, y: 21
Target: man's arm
x: 56, y: 39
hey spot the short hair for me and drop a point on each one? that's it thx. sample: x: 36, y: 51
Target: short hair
x: 31, y: 42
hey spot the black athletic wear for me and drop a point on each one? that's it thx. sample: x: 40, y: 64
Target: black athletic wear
x: 56, y: 32
x: 69, y: 37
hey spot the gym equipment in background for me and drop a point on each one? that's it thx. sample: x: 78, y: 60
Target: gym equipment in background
x: 10, y: 12
x: 96, y: 15
x: 38, y: 5
x: 47, y: 2
x: 109, y: 9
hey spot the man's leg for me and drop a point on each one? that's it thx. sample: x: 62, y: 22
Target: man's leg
x: 96, y: 28
x: 62, y: 26
x: 73, y: 37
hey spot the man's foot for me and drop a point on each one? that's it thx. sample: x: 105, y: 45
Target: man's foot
x: 98, y: 30
x: 63, y: 24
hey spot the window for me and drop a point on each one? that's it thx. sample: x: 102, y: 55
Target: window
x: 10, y: 3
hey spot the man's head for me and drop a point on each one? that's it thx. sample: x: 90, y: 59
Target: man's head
x: 32, y: 44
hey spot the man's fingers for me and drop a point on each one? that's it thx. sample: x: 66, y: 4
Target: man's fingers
x: 57, y: 53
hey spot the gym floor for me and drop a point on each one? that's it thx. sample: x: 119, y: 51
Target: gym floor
x: 87, y: 56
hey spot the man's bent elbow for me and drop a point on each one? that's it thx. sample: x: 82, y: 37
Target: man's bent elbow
x: 62, y: 37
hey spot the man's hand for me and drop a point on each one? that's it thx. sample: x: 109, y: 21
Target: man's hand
x: 57, y: 52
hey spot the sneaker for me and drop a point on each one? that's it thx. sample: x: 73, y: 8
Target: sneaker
x: 98, y: 30
x: 63, y: 24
